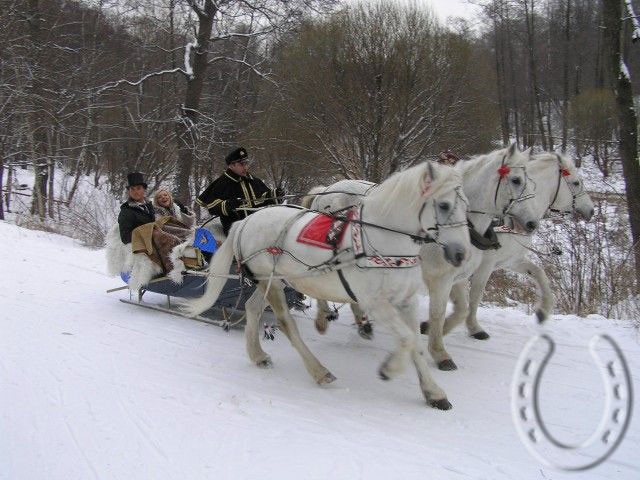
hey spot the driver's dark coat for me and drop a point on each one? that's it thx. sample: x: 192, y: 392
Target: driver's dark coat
x: 251, y: 190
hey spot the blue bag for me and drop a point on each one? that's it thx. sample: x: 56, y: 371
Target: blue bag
x: 205, y: 241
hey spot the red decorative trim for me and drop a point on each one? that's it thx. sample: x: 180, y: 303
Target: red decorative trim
x: 565, y: 172
x: 503, y: 171
x: 274, y: 250
x: 315, y: 231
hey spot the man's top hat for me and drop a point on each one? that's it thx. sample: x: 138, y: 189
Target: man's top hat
x: 237, y: 155
x: 134, y: 179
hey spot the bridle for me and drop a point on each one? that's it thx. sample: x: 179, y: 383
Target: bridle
x: 503, y: 171
x: 563, y: 174
x: 447, y: 223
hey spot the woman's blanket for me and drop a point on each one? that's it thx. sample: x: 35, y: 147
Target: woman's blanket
x: 156, y: 248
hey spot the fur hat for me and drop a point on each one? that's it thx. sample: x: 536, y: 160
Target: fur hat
x: 237, y: 155
x: 134, y: 179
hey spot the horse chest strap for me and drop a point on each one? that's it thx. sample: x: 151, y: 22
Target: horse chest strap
x: 346, y: 286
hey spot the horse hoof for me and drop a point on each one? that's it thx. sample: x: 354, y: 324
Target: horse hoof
x: 266, y: 363
x: 383, y: 376
x: 541, y: 316
x: 328, y: 378
x: 365, y: 331
x: 331, y: 317
x: 424, y: 328
x: 481, y: 335
x: 447, y: 365
x: 442, y: 404
x: 321, y: 326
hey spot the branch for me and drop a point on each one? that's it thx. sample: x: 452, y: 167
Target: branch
x: 117, y: 83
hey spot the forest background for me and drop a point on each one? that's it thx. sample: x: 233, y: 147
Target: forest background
x: 319, y: 90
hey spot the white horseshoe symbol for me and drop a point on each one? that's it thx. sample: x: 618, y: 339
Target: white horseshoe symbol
x: 525, y: 407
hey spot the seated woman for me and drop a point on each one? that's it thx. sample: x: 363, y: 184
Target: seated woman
x: 165, y: 206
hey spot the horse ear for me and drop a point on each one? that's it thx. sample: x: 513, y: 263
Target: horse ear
x: 512, y: 149
x: 528, y: 151
x: 428, y: 178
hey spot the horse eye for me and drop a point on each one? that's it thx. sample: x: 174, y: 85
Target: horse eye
x: 516, y: 181
x: 576, y: 183
x: 444, y: 206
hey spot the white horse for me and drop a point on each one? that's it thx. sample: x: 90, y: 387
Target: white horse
x: 559, y: 191
x: 373, y: 263
x: 497, y: 186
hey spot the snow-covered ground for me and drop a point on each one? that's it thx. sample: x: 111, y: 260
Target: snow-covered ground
x: 94, y: 388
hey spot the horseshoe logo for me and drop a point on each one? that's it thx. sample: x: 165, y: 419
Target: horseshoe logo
x: 525, y: 406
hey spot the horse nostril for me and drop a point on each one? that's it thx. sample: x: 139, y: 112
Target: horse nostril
x: 459, y: 257
x: 531, y: 226
x: 591, y: 213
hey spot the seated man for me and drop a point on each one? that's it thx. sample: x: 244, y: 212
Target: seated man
x: 237, y: 188
x: 136, y: 210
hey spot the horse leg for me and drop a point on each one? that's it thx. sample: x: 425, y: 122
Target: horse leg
x: 433, y: 394
x: 288, y: 326
x: 439, y: 289
x: 396, y: 361
x: 547, y: 299
x: 478, y: 283
x: 324, y: 315
x: 254, y: 308
x: 365, y: 329
x: 460, y: 298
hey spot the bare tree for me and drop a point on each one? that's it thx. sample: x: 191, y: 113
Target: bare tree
x: 627, y: 119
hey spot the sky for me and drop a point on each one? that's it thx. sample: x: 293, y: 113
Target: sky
x: 445, y: 8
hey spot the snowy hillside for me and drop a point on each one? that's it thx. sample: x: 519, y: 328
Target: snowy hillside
x: 94, y: 388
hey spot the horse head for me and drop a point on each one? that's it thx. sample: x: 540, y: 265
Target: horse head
x: 571, y: 196
x: 514, y: 192
x: 443, y: 216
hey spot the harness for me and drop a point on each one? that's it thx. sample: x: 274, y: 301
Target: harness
x: 357, y: 254
x: 563, y: 173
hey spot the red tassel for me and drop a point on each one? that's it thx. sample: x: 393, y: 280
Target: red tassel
x: 503, y: 171
x: 565, y: 172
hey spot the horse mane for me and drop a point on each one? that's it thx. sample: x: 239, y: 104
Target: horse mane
x: 565, y: 161
x: 408, y: 185
x: 308, y: 199
x: 477, y: 161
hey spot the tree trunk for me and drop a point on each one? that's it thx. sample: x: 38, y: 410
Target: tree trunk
x: 1, y: 179
x: 187, y: 127
x: 565, y: 77
x: 500, y: 81
x: 9, y: 188
x: 36, y: 126
x: 627, y: 119
x: 514, y: 87
x: 529, y: 6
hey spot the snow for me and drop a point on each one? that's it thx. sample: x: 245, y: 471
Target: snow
x: 634, y: 20
x: 187, y: 58
x: 624, y: 70
x: 94, y: 388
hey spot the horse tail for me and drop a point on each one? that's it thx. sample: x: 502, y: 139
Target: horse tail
x: 311, y: 196
x: 217, y: 277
